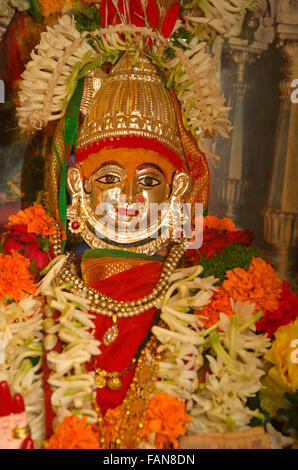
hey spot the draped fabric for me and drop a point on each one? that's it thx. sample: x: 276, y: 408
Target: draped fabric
x: 127, y: 286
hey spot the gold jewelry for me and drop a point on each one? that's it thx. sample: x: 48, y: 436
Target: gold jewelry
x: 112, y: 379
x: 127, y: 432
x: 57, y: 245
x: 107, y: 306
x: 76, y: 225
x: 149, y: 113
x: 21, y: 432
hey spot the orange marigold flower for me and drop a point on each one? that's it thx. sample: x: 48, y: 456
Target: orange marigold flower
x: 74, y: 433
x: 166, y: 417
x: 48, y: 7
x: 259, y: 285
x: 211, y: 221
x: 36, y: 220
x: 219, y: 303
x: 16, y: 280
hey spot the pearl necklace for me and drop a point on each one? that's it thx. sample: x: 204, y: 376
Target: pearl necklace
x: 104, y: 305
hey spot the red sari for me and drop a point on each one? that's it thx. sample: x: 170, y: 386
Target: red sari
x: 128, y: 285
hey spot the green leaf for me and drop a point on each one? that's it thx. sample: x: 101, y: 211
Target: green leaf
x: 33, y: 267
x: 90, y: 66
x: 253, y: 403
x: 70, y: 128
x: 234, y: 256
x: 87, y: 19
x: 44, y: 243
x: 34, y: 361
x: 35, y: 9
x: 1, y: 245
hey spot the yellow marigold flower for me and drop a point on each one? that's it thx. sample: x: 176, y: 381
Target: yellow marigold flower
x: 36, y: 220
x: 74, y: 433
x: 212, y: 221
x: 259, y: 285
x: 16, y: 280
x: 166, y: 417
x: 285, y: 370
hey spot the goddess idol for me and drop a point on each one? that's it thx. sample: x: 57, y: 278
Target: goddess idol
x: 122, y: 344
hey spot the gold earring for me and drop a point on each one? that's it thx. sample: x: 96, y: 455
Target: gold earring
x: 76, y: 224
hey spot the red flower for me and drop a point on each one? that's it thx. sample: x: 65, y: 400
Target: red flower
x: 26, y: 244
x: 215, y: 241
x: 286, y: 312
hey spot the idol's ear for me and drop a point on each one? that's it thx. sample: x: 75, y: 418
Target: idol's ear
x: 181, y: 184
x: 74, y: 181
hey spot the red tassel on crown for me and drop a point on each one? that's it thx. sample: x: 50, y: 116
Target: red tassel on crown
x: 133, y: 12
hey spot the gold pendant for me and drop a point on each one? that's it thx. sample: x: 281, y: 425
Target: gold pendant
x: 114, y: 383
x: 111, y: 334
x: 100, y: 379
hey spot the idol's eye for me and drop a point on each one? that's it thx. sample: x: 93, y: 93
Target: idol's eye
x: 148, y: 181
x: 109, y: 179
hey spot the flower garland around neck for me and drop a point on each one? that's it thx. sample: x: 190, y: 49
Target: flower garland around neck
x: 173, y: 399
x: 205, y: 360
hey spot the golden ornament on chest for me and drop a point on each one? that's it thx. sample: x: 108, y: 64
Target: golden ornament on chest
x: 108, y: 379
x: 112, y: 380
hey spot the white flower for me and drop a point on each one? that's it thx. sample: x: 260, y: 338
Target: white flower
x: 21, y: 5
x: 278, y: 441
x: 6, y: 10
x: 234, y: 374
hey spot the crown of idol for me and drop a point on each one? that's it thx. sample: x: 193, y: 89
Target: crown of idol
x: 152, y: 35
x: 132, y: 101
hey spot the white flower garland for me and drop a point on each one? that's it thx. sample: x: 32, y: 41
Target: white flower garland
x: 22, y: 339
x: 224, y: 16
x: 45, y: 89
x: 218, y: 405
x: 51, y: 76
x: 233, y: 374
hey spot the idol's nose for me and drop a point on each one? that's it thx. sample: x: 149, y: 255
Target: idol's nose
x: 128, y: 191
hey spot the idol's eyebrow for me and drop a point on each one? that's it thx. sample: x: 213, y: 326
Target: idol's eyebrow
x: 150, y: 165
x: 109, y: 163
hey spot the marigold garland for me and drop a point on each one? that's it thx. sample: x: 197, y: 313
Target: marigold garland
x: 234, y: 256
x: 74, y: 433
x: 225, y: 223
x: 259, y: 285
x: 166, y: 417
x: 16, y: 279
x: 35, y: 220
x: 286, y: 312
x: 48, y: 7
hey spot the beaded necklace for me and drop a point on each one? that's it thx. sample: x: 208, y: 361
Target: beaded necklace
x: 104, y: 305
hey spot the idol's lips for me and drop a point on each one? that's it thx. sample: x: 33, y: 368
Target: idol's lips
x: 127, y: 212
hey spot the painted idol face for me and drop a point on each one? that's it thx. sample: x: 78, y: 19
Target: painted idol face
x: 127, y: 193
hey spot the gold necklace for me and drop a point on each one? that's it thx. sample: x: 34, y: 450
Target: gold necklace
x: 104, y: 305
x: 112, y: 380
x: 126, y: 432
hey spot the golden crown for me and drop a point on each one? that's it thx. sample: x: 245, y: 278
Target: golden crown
x: 132, y: 100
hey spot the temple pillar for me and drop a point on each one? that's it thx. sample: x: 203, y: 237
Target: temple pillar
x: 281, y: 211
x: 257, y: 33
x: 231, y: 188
